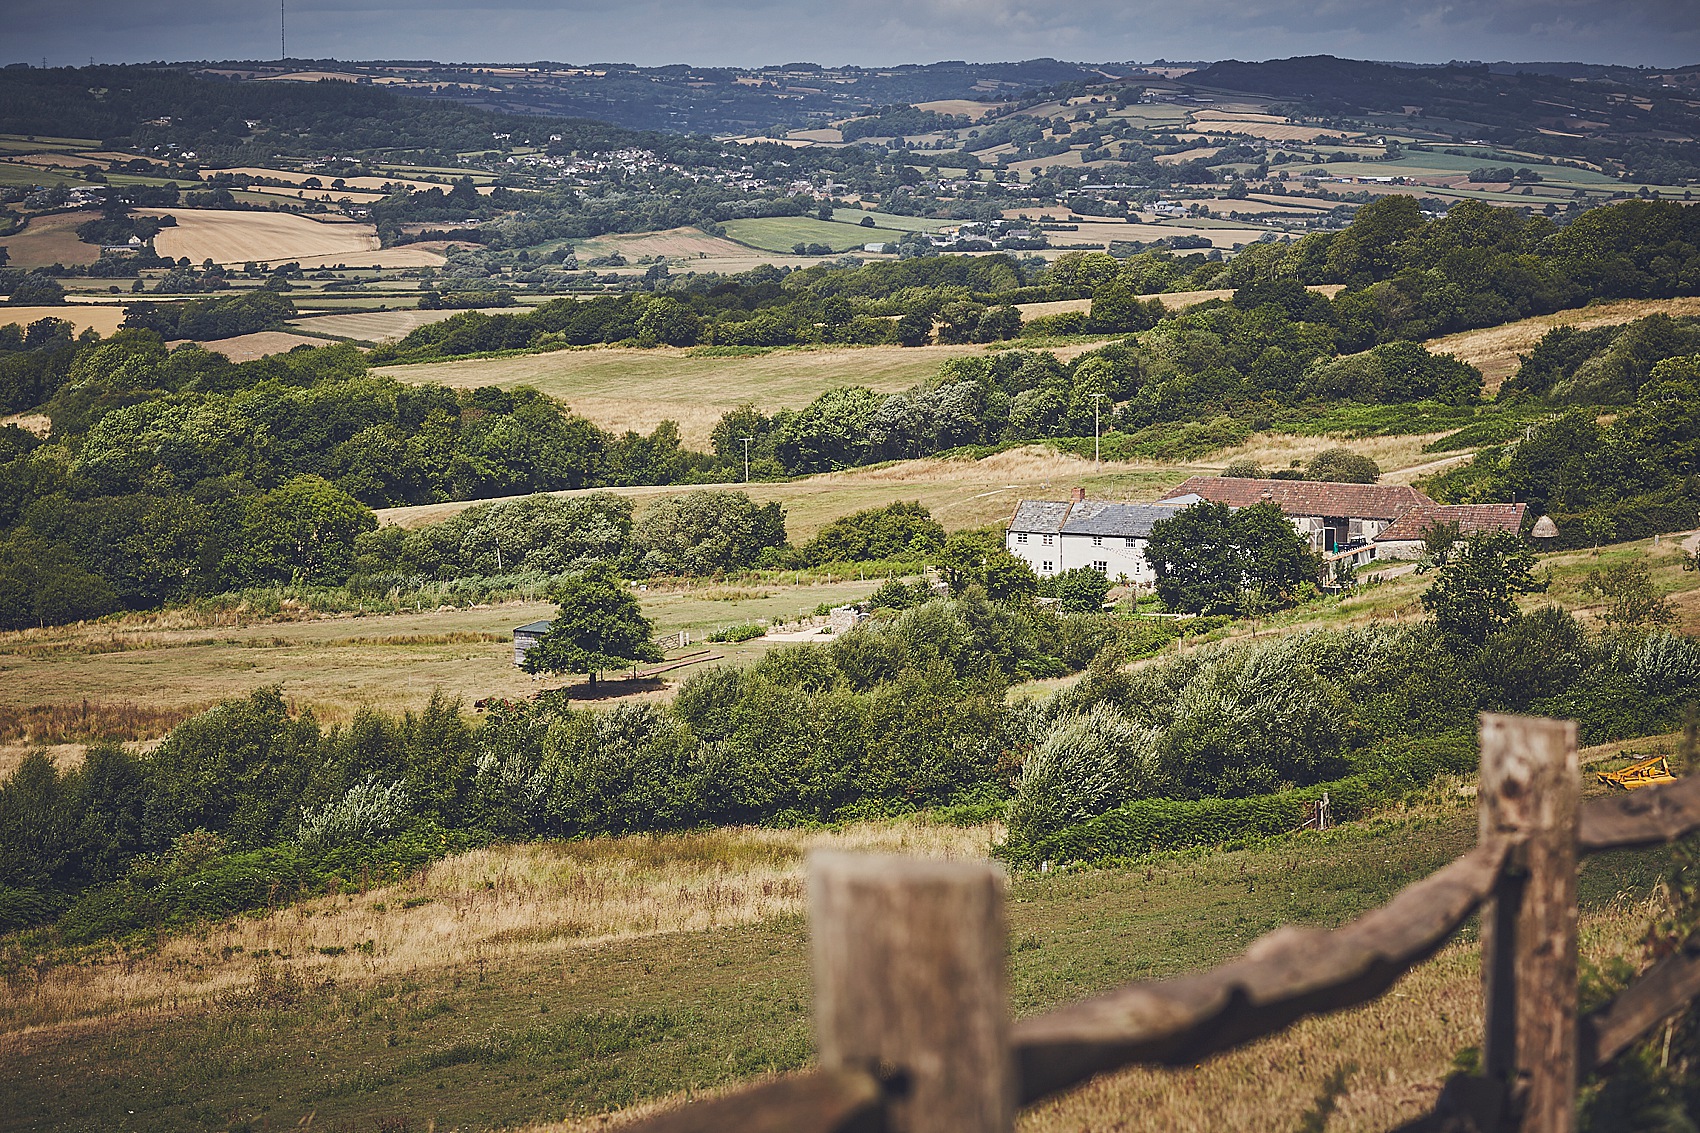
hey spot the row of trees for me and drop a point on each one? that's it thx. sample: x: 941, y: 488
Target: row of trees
x: 905, y: 711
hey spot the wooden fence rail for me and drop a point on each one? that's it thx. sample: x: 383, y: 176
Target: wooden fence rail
x: 911, y: 1013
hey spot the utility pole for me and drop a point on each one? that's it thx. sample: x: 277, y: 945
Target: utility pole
x: 1097, y: 398
x: 746, y: 441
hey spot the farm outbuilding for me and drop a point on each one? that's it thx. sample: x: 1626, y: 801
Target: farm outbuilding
x: 526, y: 636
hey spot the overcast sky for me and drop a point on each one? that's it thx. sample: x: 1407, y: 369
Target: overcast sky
x: 1660, y: 33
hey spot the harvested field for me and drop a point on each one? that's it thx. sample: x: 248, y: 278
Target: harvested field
x: 52, y: 240
x: 231, y: 237
x: 1056, y: 307
x: 247, y: 347
x: 682, y: 243
x: 104, y: 319
x: 423, y: 255
x: 377, y: 326
x: 1495, y: 350
x: 957, y: 106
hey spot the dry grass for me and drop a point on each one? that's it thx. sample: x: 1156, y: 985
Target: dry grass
x: 1495, y: 350
x: 247, y: 347
x: 227, y: 237
x: 83, y: 316
x: 38, y: 423
x: 623, y: 389
x: 87, y: 721
x: 377, y: 326
x: 488, y: 907
x: 1394, y: 1054
x: 52, y: 240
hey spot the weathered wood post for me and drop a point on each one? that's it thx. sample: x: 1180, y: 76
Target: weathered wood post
x: 1529, y: 789
x: 909, y: 984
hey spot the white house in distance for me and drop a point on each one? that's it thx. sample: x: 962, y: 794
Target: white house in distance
x: 1348, y: 523
x: 1058, y: 535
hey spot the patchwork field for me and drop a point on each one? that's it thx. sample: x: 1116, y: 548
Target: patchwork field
x: 247, y: 347
x: 266, y: 237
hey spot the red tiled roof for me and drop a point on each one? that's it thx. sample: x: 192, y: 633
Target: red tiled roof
x: 1309, y: 497
x: 1470, y: 519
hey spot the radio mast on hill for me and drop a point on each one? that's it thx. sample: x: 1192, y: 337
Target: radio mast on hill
x: 282, y: 44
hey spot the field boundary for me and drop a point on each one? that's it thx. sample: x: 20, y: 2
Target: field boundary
x: 911, y: 1007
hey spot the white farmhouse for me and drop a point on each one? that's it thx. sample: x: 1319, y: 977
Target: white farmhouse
x: 1058, y: 535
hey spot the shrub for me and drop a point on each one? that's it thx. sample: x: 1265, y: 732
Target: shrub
x: 737, y: 633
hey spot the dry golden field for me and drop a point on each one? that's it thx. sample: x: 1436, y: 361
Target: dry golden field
x: 621, y: 388
x: 378, y: 326
x: 494, y: 907
x: 235, y: 237
x: 247, y: 347
x: 103, y: 319
x: 1495, y: 350
x: 52, y: 240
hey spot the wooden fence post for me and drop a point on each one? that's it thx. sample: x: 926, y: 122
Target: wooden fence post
x: 1529, y: 790
x: 909, y: 984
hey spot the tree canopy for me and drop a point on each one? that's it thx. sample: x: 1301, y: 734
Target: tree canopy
x: 599, y: 626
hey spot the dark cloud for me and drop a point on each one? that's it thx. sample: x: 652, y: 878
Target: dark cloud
x: 1653, y: 32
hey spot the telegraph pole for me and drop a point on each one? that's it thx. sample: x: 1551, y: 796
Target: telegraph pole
x: 746, y: 441
x: 1097, y: 398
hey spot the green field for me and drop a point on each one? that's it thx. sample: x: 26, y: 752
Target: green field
x: 13, y: 174
x: 779, y: 233
x: 535, y: 1025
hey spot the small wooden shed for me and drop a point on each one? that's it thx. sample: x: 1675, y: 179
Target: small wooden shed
x: 526, y: 636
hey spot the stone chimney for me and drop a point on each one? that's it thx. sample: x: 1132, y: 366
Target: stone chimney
x: 1079, y: 494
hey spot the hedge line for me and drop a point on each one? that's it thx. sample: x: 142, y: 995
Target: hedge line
x: 1387, y: 772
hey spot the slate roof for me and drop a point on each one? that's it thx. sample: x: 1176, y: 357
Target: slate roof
x: 1470, y: 519
x: 1089, y: 517
x: 1039, y: 516
x: 1308, y: 497
x: 1099, y: 517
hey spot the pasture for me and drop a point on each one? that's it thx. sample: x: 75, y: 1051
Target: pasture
x: 779, y: 233
x: 552, y: 982
x: 623, y: 388
x: 228, y: 237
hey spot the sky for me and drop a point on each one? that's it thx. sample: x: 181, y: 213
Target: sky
x: 1658, y: 33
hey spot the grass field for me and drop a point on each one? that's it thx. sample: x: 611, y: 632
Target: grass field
x: 1495, y: 350
x: 546, y: 983
x: 637, y: 389
x: 779, y: 233
x: 267, y: 237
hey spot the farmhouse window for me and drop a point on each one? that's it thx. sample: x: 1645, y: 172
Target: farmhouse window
x: 1101, y: 567
x: 1131, y: 541
x: 1047, y: 568
x: 1021, y: 537
x: 1048, y: 539
x: 1097, y: 540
